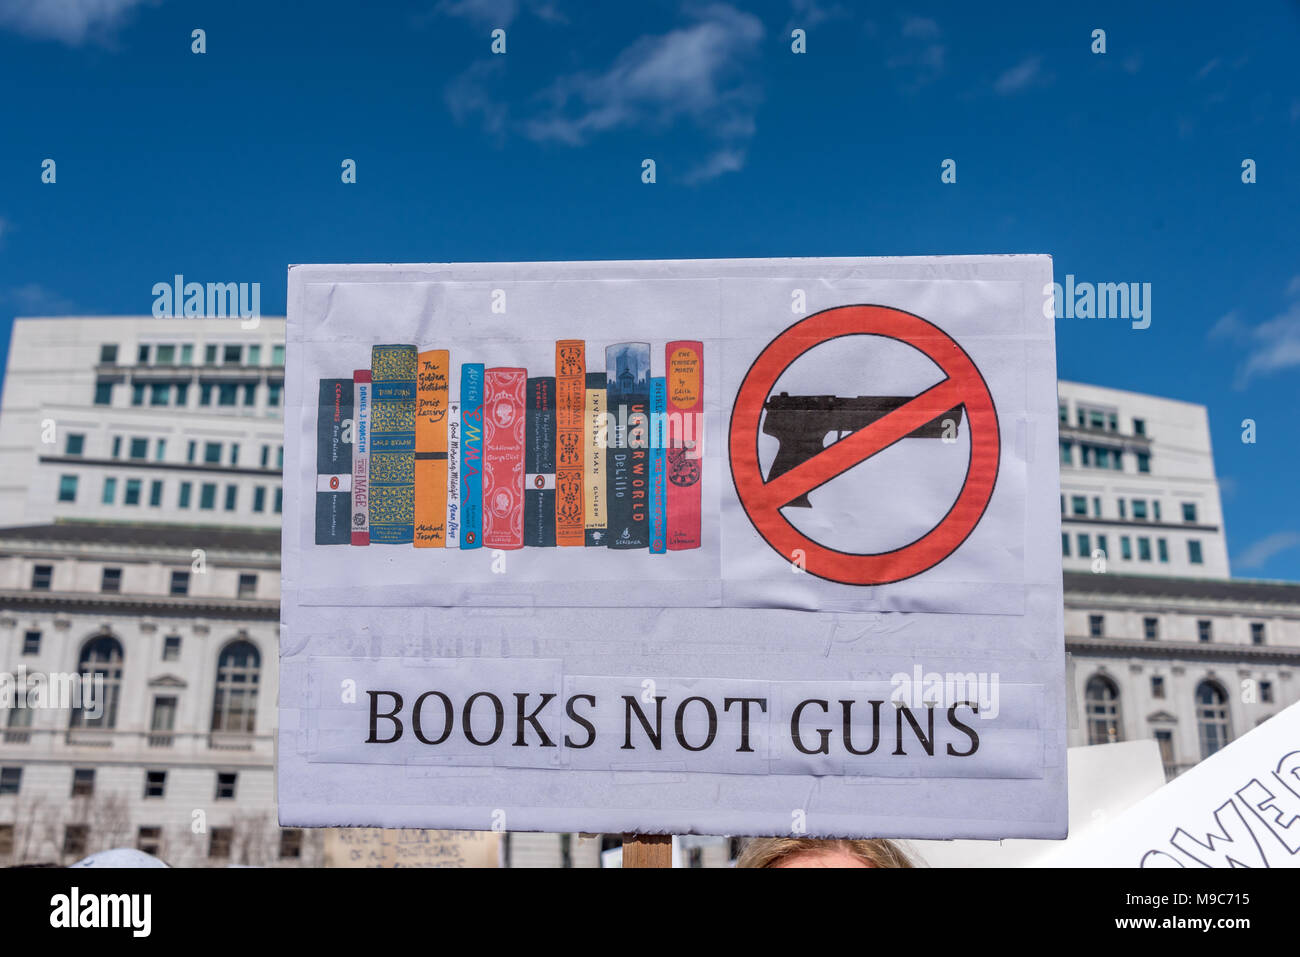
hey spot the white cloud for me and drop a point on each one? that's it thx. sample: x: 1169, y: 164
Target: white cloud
x: 69, y: 21
x: 723, y: 161
x: 468, y: 96
x: 812, y: 13
x: 33, y: 299
x: 1019, y: 77
x: 1272, y: 346
x: 1262, y: 551
x: 918, y: 55
x: 922, y: 27
x: 498, y: 13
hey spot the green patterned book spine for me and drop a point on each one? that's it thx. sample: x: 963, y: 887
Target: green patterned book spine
x: 392, y: 444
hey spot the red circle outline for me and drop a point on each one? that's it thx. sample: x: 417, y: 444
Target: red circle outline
x: 981, y: 472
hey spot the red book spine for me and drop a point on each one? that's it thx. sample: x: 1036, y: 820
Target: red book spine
x: 503, y: 458
x: 684, y: 372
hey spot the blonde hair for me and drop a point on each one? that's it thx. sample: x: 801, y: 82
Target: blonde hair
x: 771, y: 851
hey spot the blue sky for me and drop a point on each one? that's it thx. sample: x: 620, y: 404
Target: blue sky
x: 1125, y: 166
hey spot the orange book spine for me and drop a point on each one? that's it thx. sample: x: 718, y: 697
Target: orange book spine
x: 431, y: 400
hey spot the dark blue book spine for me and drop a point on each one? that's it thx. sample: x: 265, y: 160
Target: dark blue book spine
x: 539, y: 463
x: 627, y: 382
x: 658, y: 465
x: 471, y: 455
x: 333, y: 463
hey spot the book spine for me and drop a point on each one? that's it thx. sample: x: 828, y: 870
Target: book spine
x: 471, y: 460
x: 684, y: 368
x: 539, y: 464
x: 503, y: 458
x: 627, y: 378
x: 361, y: 457
x: 431, y: 449
x: 658, y: 470
x: 594, y: 442
x: 333, y: 463
x: 453, y: 473
x: 570, y: 399
x: 392, y: 444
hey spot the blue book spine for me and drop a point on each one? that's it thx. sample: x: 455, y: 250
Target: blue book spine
x: 471, y: 455
x: 392, y: 444
x: 658, y: 465
x: 627, y: 381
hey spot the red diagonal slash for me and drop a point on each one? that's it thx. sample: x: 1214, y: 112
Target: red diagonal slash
x: 860, y: 445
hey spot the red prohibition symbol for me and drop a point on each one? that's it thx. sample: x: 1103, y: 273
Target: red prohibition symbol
x: 962, y: 386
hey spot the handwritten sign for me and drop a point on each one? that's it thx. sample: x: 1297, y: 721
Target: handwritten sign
x: 410, y: 847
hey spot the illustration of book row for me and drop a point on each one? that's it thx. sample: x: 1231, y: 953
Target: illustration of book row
x: 496, y: 458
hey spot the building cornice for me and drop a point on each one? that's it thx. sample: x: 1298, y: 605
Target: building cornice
x: 250, y: 609
x: 1182, y: 650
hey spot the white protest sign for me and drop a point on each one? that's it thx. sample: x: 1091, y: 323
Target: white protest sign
x: 729, y: 547
x: 1239, y: 807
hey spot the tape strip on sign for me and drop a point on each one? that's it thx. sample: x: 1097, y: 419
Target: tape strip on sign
x: 334, y: 483
x: 962, y: 387
x: 511, y: 713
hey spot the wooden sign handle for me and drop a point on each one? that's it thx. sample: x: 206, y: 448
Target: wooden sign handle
x: 647, y: 850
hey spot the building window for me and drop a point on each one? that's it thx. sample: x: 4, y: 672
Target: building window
x: 1144, y: 549
x: 259, y: 499
x: 117, y: 446
x: 232, y: 355
x: 155, y: 784
x: 184, y: 499
x: 1139, y: 509
x: 165, y: 355
x: 212, y: 453
x: 1063, y: 413
x: 1126, y: 548
x: 103, y: 393
x: 232, y: 494
x: 1212, y: 718
x: 1096, y: 507
x: 208, y: 495
x: 279, y: 500
x: 1066, y: 455
x: 1189, y: 512
x: 187, y: 354
x: 250, y: 393
x: 1204, y: 630
x: 234, y: 453
x: 31, y: 642
x: 1162, y: 549
x: 1194, y: 552
x: 290, y: 843
x: 226, y: 786
x: 1155, y: 509
x: 1122, y: 510
x: 160, y: 393
x: 101, y: 657
x: 83, y: 782
x: 279, y: 456
x: 1096, y: 626
x: 1150, y: 628
x: 247, y: 586
x: 273, y: 392
x: 255, y: 355
x: 266, y: 459
x: 149, y: 840
x: 132, y: 496
x: 1165, y: 739
x: 1139, y: 426
x: 210, y: 355
x: 1085, y: 544
x: 1256, y: 632
x: 111, y: 581
x: 74, y: 840
x: 171, y: 648
x: 160, y: 450
x: 1101, y: 545
x: 182, y: 394
x: 190, y: 451
x: 205, y: 393
x: 163, y: 722
x: 1157, y: 686
x: 180, y: 584
x: 137, y: 393
x: 277, y: 355
x: 108, y: 355
x: 1102, y: 699
x: 67, y: 488
x: 76, y: 444
x: 42, y: 576
x: 219, y: 845
x: 155, y: 493
x: 11, y: 779
x: 1144, y: 462
x: 110, y: 491
x: 142, y: 355
x: 227, y: 393
x: 234, y: 707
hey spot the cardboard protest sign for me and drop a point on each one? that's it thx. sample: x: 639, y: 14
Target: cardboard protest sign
x: 1240, y: 807
x: 730, y: 547
x: 380, y: 847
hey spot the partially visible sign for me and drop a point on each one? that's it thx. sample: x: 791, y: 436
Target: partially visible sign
x: 410, y: 847
x: 1238, y: 808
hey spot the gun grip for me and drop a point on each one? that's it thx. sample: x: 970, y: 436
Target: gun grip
x: 788, y: 455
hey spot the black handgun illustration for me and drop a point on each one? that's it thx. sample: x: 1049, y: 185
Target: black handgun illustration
x: 802, y: 422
